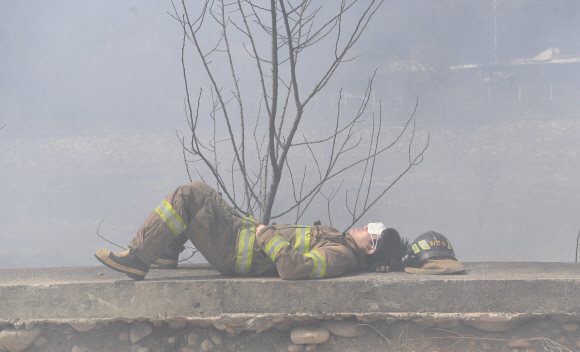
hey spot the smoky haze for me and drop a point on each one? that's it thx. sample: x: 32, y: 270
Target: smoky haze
x: 91, y: 96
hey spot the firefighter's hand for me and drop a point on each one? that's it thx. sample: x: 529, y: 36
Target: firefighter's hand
x: 260, y: 227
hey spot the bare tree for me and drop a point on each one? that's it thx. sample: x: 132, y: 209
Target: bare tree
x: 276, y: 36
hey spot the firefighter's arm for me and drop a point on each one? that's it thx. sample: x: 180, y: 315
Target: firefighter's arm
x: 291, y: 265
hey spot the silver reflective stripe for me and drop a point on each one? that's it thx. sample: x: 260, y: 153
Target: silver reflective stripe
x: 275, y: 245
x: 170, y: 217
x: 318, y: 263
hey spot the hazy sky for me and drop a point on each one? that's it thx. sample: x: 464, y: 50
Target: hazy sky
x: 91, y: 97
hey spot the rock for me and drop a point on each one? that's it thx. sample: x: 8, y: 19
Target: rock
x: 369, y: 319
x: 144, y: 349
x: 171, y: 340
x: 521, y: 343
x: 295, y: 348
x: 200, y: 324
x: 39, y: 341
x: 544, y: 324
x: 124, y: 336
x: 139, y: 330
x: 220, y: 326
x: 424, y: 322
x: 578, y: 343
x: 492, y: 325
x: 216, y: 338
x: 69, y: 337
x: 446, y: 324
x: 193, y: 339
x: 304, y: 336
x: 82, y: 327
x: 556, y: 332
x: 283, y: 326
x: 134, y: 348
x: 77, y: 349
x: 565, y: 319
x: 570, y: 327
x: 310, y: 348
x: 13, y: 340
x: 177, y: 325
x: 486, y: 346
x: 206, y: 345
x: 426, y: 344
x: 390, y: 320
x: 29, y: 325
x: 343, y: 328
x: 157, y: 323
x: 561, y: 340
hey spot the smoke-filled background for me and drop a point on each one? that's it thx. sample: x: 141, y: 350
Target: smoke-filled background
x: 91, y: 97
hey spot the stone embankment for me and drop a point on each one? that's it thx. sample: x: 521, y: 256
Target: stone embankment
x: 537, y: 333
x: 493, y: 306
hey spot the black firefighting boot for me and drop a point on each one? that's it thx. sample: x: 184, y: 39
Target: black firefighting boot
x: 170, y: 256
x: 166, y: 261
x: 126, y: 262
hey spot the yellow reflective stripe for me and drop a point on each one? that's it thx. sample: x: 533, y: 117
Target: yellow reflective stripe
x: 318, y: 265
x: 424, y: 244
x: 415, y: 248
x: 171, y: 218
x: 449, y: 245
x: 302, y: 244
x: 275, y: 245
x: 245, y: 246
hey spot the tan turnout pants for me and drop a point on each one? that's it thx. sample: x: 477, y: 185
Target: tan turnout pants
x: 195, y: 212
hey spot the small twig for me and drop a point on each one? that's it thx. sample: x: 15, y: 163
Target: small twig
x: 107, y: 239
x: 401, y: 334
x: 192, y: 254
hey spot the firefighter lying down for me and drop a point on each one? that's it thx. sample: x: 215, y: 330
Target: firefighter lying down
x: 241, y: 246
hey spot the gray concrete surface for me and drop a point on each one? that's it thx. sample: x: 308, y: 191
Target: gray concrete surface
x: 497, y: 291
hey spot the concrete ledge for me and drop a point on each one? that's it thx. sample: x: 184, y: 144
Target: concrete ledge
x: 196, y: 293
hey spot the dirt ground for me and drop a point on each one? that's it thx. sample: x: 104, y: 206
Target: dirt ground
x: 533, y: 335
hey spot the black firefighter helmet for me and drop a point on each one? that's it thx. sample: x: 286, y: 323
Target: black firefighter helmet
x: 428, y: 245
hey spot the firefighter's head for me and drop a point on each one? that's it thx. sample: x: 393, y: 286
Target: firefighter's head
x: 389, y: 253
x: 382, y: 246
x: 365, y: 238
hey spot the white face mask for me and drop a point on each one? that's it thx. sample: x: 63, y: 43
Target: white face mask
x: 375, y: 228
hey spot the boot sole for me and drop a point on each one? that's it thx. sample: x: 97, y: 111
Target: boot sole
x: 165, y: 264
x: 102, y: 255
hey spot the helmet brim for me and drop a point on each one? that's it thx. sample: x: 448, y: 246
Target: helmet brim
x: 437, y: 267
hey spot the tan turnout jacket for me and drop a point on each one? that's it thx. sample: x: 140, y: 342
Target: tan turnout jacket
x: 229, y: 242
x: 302, y: 252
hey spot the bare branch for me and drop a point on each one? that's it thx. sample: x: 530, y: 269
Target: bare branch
x: 105, y: 238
